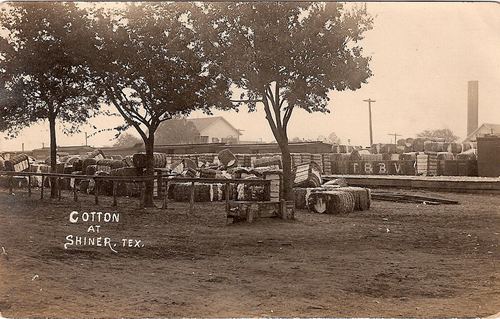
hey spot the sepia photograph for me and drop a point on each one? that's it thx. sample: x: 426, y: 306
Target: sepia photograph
x: 260, y: 159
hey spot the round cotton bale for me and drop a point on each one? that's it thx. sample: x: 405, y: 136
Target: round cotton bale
x: 112, y: 164
x: 454, y: 148
x: 331, y: 202
x: 139, y: 160
x: 361, y: 197
x: 87, y: 162
x: 227, y: 158
x: 91, y: 170
x: 105, y: 186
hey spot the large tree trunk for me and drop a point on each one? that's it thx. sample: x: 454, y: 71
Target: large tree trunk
x: 53, y: 155
x: 286, y: 159
x: 148, y: 195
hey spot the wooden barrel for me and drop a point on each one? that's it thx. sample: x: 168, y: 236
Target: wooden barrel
x: 17, y: 163
x: 227, y: 158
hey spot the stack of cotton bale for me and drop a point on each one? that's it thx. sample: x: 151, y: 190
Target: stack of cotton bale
x: 296, y: 159
x: 327, y: 163
x: 127, y: 188
x: 318, y: 159
x: 307, y: 175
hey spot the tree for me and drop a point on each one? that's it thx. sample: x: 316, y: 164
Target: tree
x: 127, y: 140
x: 43, y: 73
x: 287, y: 55
x: 445, y: 134
x: 177, y: 131
x: 334, y: 139
x: 152, y: 69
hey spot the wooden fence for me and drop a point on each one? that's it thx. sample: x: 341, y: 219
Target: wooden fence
x: 164, y: 180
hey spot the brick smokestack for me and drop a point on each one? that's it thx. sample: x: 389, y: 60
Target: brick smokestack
x: 472, y: 106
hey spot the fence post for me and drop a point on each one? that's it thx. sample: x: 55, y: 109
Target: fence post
x: 165, y: 197
x: 191, y: 200
x: 10, y: 184
x: 115, y: 185
x: 227, y: 198
x: 75, y: 196
x: 159, y: 184
x: 29, y: 185
x: 58, y: 187
x: 41, y: 189
x: 96, y: 191
x: 143, y: 194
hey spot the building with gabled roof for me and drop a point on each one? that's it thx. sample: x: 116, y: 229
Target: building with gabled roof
x: 486, y: 129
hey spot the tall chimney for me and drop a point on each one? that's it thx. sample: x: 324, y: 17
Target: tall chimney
x: 472, y: 106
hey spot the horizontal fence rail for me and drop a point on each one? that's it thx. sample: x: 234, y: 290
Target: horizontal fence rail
x: 164, y: 180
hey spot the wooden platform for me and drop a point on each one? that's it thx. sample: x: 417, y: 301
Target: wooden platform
x: 434, y: 183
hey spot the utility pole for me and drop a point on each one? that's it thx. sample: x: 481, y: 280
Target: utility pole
x: 395, y: 137
x: 86, y: 137
x: 370, y: 101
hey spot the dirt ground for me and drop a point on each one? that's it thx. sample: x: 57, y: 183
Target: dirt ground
x: 395, y: 260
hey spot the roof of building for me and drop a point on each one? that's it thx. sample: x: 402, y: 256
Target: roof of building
x: 204, y: 122
x: 489, y: 128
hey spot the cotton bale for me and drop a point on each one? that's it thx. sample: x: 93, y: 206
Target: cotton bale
x: 17, y: 163
x: 331, y: 202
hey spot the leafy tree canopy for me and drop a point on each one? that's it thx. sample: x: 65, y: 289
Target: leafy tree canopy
x: 286, y: 55
x: 127, y: 140
x: 41, y: 75
x: 446, y: 134
x: 177, y: 131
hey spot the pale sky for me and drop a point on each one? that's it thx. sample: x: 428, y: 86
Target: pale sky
x: 423, y: 56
